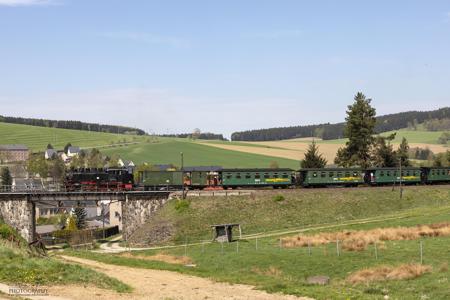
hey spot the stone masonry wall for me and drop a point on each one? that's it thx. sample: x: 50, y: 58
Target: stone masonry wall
x: 136, y: 212
x: 19, y: 213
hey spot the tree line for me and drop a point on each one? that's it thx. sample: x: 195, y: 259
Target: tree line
x: 77, y: 125
x: 201, y: 136
x: 329, y: 131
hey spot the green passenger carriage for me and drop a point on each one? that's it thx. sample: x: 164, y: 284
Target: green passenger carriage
x: 382, y: 176
x: 329, y: 177
x: 256, y: 177
x: 436, y: 174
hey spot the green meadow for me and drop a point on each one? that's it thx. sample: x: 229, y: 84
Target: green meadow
x: 195, y: 154
x: 37, y: 138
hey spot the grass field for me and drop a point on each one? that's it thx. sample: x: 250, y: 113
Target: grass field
x: 148, y: 149
x: 37, y: 138
x: 195, y: 154
x: 264, y: 264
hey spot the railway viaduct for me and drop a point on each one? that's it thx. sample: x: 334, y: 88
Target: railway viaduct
x: 18, y: 209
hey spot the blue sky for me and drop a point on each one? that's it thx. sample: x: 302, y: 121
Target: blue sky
x: 221, y: 66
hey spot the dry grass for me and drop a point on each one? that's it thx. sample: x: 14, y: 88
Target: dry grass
x: 359, y: 240
x: 171, y: 259
x: 271, y: 271
x: 381, y: 273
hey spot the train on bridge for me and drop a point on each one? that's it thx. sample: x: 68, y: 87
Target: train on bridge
x: 118, y: 179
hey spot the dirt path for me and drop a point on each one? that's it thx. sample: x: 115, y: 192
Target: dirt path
x: 156, y: 284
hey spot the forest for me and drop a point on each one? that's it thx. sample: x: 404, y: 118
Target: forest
x: 329, y: 131
x: 77, y: 125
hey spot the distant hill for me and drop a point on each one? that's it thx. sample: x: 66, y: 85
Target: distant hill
x: 329, y: 131
x: 76, y: 125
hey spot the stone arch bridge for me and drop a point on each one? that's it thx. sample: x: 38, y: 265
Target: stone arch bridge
x: 18, y: 209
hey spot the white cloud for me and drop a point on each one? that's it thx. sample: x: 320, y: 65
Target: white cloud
x: 148, y: 38
x: 26, y: 2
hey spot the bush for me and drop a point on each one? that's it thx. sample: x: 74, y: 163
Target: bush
x: 278, y: 198
x: 182, y: 205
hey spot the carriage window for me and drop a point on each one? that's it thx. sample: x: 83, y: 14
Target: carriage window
x: 228, y: 176
x: 388, y: 173
x: 266, y: 175
x: 339, y: 174
x: 381, y: 173
x: 407, y: 173
x: 330, y: 174
x: 322, y: 174
x: 248, y: 176
x: 355, y: 174
x: 238, y: 175
x: 275, y: 175
x: 314, y: 174
x: 347, y: 174
x: 432, y: 172
x: 257, y: 176
x: 285, y: 175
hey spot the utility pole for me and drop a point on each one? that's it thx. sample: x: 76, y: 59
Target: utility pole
x: 401, y: 177
x: 182, y: 173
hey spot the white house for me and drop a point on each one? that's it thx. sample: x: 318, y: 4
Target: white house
x: 49, y: 153
x: 73, y: 151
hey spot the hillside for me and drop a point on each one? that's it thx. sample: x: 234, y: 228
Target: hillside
x: 70, y: 124
x: 305, y: 207
x: 328, y: 131
x: 195, y: 154
x: 140, y: 149
x: 37, y: 138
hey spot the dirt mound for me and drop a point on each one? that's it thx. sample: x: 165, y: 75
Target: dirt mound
x: 381, y: 273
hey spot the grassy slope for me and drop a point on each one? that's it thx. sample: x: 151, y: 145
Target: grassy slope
x: 285, y: 270
x: 168, y: 151
x: 19, y: 267
x: 300, y: 208
x: 37, y: 138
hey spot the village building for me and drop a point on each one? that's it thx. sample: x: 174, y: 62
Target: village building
x: 50, y: 153
x: 73, y: 151
x: 13, y: 153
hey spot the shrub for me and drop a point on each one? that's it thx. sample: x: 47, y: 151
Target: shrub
x: 182, y: 205
x: 278, y: 198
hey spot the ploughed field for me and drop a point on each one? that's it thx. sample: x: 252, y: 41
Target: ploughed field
x: 296, y: 148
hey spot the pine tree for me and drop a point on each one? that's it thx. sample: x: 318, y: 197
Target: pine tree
x: 403, y: 153
x: 313, y: 159
x: 360, y: 126
x: 383, y: 153
x: 6, y: 179
x: 80, y: 215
